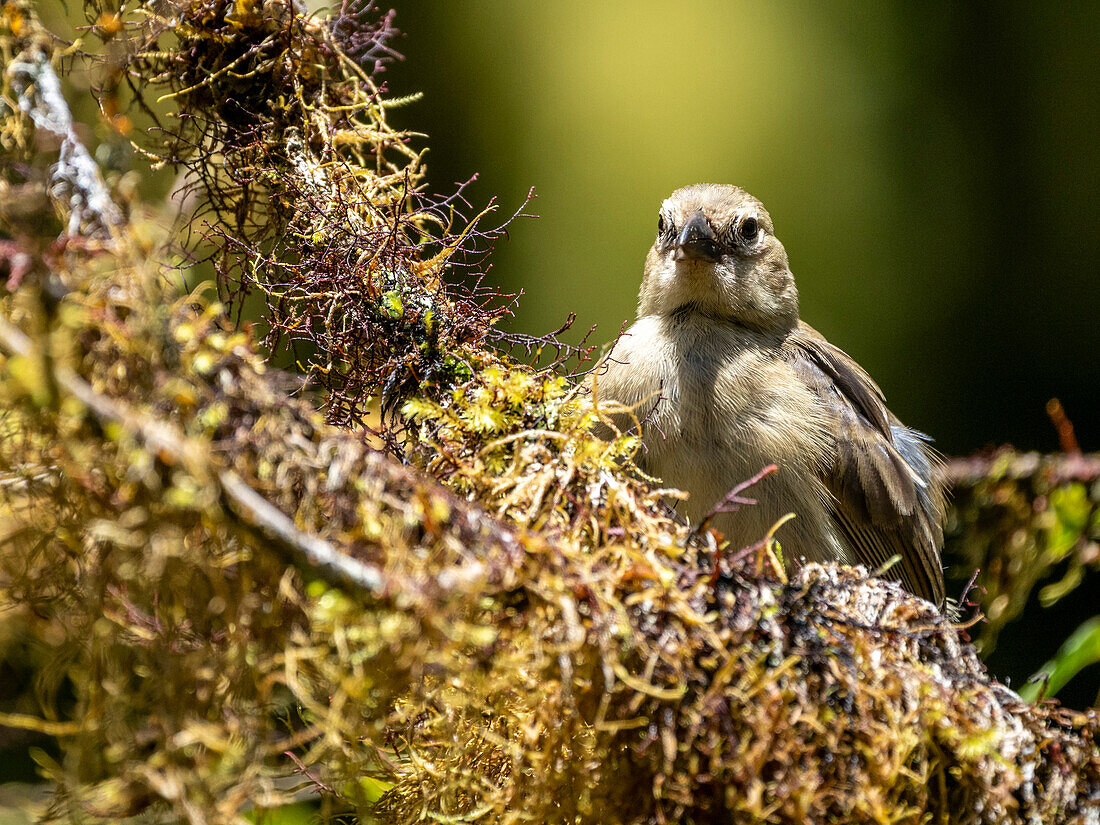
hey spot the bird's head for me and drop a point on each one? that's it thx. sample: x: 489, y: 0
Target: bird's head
x: 716, y: 253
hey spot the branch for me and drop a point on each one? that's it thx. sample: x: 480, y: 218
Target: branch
x: 75, y: 180
x: 1053, y: 469
x: 327, y: 561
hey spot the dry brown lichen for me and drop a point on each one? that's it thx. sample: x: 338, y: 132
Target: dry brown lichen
x: 572, y: 657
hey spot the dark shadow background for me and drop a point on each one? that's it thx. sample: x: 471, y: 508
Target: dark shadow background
x: 931, y: 168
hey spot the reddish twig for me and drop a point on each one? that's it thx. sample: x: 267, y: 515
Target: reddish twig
x: 1066, y: 436
x: 733, y: 500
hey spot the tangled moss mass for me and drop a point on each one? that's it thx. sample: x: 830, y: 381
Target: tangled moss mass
x: 1026, y: 522
x: 415, y: 587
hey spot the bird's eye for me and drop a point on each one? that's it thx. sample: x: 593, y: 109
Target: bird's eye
x: 749, y: 230
x: 660, y: 224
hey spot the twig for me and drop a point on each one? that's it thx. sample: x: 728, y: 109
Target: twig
x: 307, y: 550
x: 323, y: 558
x: 733, y: 500
x: 75, y: 180
x: 1066, y: 436
x: 1057, y: 468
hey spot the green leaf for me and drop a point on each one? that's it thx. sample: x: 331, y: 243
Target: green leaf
x: 296, y: 813
x: 1078, y: 652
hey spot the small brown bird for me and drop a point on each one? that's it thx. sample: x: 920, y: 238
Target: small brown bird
x: 726, y: 379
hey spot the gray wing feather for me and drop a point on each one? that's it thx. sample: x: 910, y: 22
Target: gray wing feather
x: 887, y: 498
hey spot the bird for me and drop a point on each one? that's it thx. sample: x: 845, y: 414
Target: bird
x: 722, y: 377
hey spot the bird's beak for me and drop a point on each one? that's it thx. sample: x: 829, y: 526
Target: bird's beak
x: 697, y: 240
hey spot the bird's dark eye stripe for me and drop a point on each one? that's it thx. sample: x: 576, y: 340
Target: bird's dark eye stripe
x: 666, y: 229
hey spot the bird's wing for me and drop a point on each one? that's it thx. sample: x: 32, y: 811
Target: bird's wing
x: 887, y: 500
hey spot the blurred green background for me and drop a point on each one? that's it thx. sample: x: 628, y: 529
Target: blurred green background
x: 931, y: 169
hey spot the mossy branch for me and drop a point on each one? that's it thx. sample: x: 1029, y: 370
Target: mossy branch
x: 532, y: 639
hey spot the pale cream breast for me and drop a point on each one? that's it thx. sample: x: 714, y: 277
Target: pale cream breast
x: 717, y: 405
